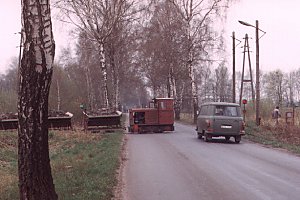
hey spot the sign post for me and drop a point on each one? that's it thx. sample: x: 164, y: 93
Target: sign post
x: 244, y: 108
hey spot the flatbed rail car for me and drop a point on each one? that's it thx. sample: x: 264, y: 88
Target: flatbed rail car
x: 53, y: 123
x: 60, y: 123
x: 8, y: 124
x: 105, y: 121
x: 159, y: 117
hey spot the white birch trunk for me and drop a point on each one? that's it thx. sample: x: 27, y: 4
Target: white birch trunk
x: 35, y: 179
x: 58, y: 95
x: 192, y: 75
x: 171, y: 83
x: 104, y: 74
x: 178, y: 102
x: 117, y: 94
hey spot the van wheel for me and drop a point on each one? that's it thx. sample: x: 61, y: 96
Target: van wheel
x: 199, y: 135
x: 206, y: 137
x: 227, y: 138
x: 237, y: 139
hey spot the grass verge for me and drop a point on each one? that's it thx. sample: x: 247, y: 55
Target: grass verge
x: 84, y: 166
x: 277, y: 137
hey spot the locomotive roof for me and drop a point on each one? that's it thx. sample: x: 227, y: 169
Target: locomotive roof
x: 142, y: 109
x: 221, y: 103
x: 164, y: 98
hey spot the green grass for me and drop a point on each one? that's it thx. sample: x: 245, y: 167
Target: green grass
x: 8, y: 165
x: 83, y: 165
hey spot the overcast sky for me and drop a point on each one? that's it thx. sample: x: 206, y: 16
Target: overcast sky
x: 278, y: 48
x: 280, y: 19
x: 10, y: 20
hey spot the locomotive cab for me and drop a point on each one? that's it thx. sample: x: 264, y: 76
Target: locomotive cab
x: 139, y: 117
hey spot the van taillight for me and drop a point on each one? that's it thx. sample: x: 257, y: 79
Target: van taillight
x: 209, y: 126
x: 243, y: 125
x: 207, y: 123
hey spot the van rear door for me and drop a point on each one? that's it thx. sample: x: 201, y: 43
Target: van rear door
x: 227, y: 126
x: 227, y: 119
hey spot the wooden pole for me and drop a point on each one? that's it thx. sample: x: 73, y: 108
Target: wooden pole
x: 233, y: 67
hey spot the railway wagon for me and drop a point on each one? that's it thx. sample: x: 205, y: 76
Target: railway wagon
x: 103, y: 121
x: 158, y: 117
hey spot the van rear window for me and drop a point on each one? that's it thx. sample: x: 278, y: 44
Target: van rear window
x: 230, y: 111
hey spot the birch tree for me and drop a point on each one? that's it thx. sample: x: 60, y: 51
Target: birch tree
x: 290, y: 82
x: 161, y: 52
x: 98, y: 19
x: 88, y: 60
x: 198, y: 16
x: 297, y: 86
x: 222, y: 83
x: 120, y: 47
x: 35, y: 179
x: 274, y: 87
x: 205, y: 87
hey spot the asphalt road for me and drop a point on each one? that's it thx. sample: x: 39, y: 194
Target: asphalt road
x: 178, y: 166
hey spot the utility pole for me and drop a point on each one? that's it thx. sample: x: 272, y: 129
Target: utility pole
x: 246, y: 50
x: 233, y: 67
x: 257, y: 68
x: 257, y: 76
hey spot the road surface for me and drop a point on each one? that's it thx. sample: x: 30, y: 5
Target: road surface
x: 178, y: 166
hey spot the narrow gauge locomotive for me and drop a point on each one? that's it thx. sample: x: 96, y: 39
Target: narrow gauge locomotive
x: 158, y: 117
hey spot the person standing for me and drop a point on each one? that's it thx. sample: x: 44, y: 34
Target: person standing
x: 276, y: 114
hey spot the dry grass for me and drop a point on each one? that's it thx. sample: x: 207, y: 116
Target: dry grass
x: 61, y: 140
x: 8, y: 160
x: 6, y: 180
x: 278, y: 136
x: 283, y: 132
x: 83, y: 164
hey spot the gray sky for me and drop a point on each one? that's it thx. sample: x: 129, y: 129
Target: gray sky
x: 10, y: 20
x: 10, y: 24
x: 278, y: 48
x: 280, y: 19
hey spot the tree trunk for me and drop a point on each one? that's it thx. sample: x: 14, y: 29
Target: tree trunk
x: 171, y: 85
x: 58, y: 95
x: 191, y: 67
x: 118, y: 104
x: 35, y: 179
x: 90, y: 91
x: 104, y: 74
x: 116, y: 80
x: 193, y: 87
x: 178, y: 103
x: 172, y: 93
